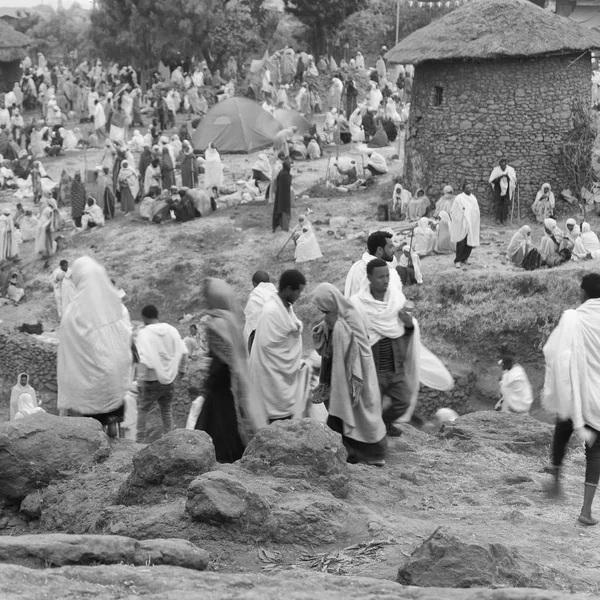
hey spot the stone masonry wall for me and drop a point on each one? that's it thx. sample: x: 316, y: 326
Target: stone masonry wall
x: 519, y: 108
x: 430, y: 400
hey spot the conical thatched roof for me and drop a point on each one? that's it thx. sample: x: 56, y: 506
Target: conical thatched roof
x: 12, y: 43
x: 487, y: 29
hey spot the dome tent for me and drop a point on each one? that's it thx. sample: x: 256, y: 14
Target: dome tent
x: 236, y: 125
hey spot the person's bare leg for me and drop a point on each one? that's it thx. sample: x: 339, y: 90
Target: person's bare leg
x: 586, y: 510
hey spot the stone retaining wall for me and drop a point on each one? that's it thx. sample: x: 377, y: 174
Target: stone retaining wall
x: 458, y: 399
x: 465, y: 115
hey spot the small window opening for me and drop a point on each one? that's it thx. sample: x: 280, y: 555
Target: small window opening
x: 438, y: 95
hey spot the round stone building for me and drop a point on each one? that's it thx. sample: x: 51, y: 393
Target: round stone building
x: 494, y: 78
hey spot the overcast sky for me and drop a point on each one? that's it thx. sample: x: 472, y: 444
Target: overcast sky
x: 25, y: 3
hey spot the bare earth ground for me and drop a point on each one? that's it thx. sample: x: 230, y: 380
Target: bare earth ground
x: 427, y: 482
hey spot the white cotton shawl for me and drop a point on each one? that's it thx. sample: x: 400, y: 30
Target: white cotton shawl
x: 357, y: 276
x: 517, y: 396
x: 213, y: 169
x: 572, y: 355
x: 276, y: 358
x: 160, y: 348
x: 259, y: 296
x: 16, y: 392
x: 94, y: 351
x: 465, y: 220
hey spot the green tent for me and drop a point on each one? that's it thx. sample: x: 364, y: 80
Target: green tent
x: 236, y: 125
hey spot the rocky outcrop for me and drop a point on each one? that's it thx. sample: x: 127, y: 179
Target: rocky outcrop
x: 42, y: 448
x: 300, y: 449
x: 167, y: 466
x: 444, y: 560
x: 61, y: 549
x: 505, y: 431
x: 175, y: 583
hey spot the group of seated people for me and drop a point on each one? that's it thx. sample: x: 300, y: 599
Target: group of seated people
x: 181, y: 204
x: 556, y: 247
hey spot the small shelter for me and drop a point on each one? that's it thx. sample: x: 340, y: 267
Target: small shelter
x: 492, y: 79
x: 292, y: 118
x: 13, y: 49
x: 236, y: 125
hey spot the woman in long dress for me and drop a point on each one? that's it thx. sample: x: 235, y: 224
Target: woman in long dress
x: 44, y: 241
x: 543, y: 205
x: 587, y: 245
x: 231, y: 414
x: 94, y: 365
x: 348, y: 381
x: 521, y: 251
x: 213, y: 170
x: 550, y: 243
x: 129, y: 188
x: 424, y: 238
x: 189, y: 167
x: 443, y: 243
x: 445, y: 202
x: 418, y: 205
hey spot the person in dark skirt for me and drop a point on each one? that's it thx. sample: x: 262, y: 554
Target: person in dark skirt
x: 231, y: 414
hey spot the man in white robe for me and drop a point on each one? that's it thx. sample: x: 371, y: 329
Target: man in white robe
x: 465, y: 225
x: 276, y: 356
x: 379, y: 245
x: 504, y: 182
x: 57, y: 280
x: 263, y: 291
x: 571, y: 387
x: 99, y: 120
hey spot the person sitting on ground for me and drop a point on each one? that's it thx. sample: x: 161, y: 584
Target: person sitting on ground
x: 522, y: 252
x: 570, y: 389
x: 146, y: 205
x: 443, y: 242
x: 307, y: 245
x: 550, y: 244
x: 572, y: 234
x: 376, y: 164
x: 191, y: 342
x: 161, y: 209
x: 183, y: 206
x: 409, y: 267
x: 349, y: 386
x: 380, y: 138
x: 445, y: 202
x: 400, y: 199
x: 517, y: 395
x: 263, y: 291
x: 22, y: 387
x: 28, y: 226
x: 424, y: 238
x: 588, y: 244
x: 313, y: 150
x: 92, y: 216
x: 26, y: 405
x: 15, y: 290
x: 543, y: 205
x: 418, y: 206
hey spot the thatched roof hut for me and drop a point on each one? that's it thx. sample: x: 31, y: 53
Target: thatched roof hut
x: 488, y: 29
x: 13, y: 45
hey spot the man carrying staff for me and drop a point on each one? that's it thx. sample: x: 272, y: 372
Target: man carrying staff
x: 504, y: 182
x: 571, y: 388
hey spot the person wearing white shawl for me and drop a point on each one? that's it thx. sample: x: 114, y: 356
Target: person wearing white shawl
x: 57, y: 278
x: 27, y: 406
x: 517, y: 395
x: 355, y: 125
x: 445, y: 202
x: 70, y: 140
x: 307, y: 245
x: 520, y: 247
x: 543, y: 205
x: 465, y: 225
x: 503, y: 181
x: 163, y: 355
x: 28, y: 226
x: 374, y: 97
x: 572, y: 234
x: 93, y: 216
x: 391, y: 111
x: 99, y: 119
x: 379, y: 245
x: 409, y: 267
x: 587, y: 245
x: 136, y: 143
x: 424, y: 238
x: 261, y: 169
x: 360, y: 61
x: 550, y: 243
x: 276, y: 356
x: 572, y: 355
x: 9, y: 241
x: 129, y: 186
x: 94, y: 364
x: 177, y: 145
x: 22, y: 387
x: 300, y: 97
x: 443, y: 244
x: 348, y: 383
x: 400, y: 199
x: 263, y: 291
x: 376, y: 163
x: 213, y: 170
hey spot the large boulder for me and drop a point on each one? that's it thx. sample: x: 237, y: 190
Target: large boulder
x: 61, y: 549
x: 444, y: 560
x: 167, y: 466
x: 300, y: 449
x: 505, y: 431
x: 42, y: 448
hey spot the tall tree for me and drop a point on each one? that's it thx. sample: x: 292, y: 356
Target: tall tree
x: 322, y: 17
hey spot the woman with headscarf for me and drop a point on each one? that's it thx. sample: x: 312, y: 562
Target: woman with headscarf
x: 26, y: 406
x: 94, y: 364
x: 521, y: 251
x: 348, y: 381
x: 22, y: 387
x: 153, y: 177
x: 213, y: 170
x: 443, y: 243
x: 78, y: 196
x: 400, y: 199
x: 543, y: 205
x: 374, y: 97
x: 355, y: 125
x: 418, y: 205
x: 231, y: 414
x: 588, y: 244
x: 445, y: 202
x: 44, y: 241
x: 189, y: 167
x: 572, y: 234
x: 176, y: 145
x: 167, y: 169
x: 136, y: 143
x: 424, y: 238
x: 282, y: 207
x: 550, y: 244
x: 129, y: 187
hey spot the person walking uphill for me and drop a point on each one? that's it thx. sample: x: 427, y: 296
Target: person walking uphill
x: 465, y: 224
x: 163, y: 355
x: 571, y: 387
